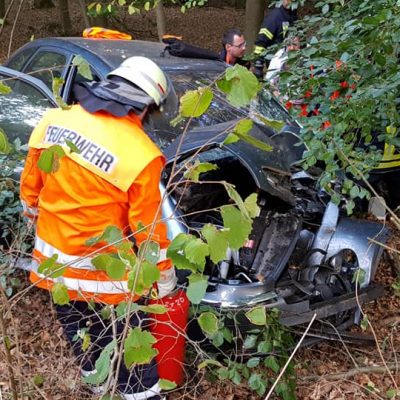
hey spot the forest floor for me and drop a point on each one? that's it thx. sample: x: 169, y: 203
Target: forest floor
x: 42, y: 361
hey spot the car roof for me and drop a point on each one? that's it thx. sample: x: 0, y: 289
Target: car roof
x: 113, y: 52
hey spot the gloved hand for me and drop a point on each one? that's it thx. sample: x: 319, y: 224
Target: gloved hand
x: 257, y: 68
x: 167, y: 282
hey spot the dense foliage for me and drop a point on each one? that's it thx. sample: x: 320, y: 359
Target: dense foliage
x: 347, y: 75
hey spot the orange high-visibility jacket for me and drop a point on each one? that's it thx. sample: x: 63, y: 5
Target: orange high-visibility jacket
x: 113, y: 180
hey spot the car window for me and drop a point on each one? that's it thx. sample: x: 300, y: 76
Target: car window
x: 21, y: 109
x: 19, y: 60
x: 47, y: 65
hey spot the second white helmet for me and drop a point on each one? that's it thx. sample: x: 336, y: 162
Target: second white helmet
x: 145, y: 74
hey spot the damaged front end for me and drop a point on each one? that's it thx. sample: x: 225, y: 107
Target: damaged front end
x: 302, y: 255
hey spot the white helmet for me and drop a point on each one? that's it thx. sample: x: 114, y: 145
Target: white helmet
x: 145, y: 74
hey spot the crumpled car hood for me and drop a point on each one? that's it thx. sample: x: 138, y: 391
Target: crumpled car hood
x: 270, y: 170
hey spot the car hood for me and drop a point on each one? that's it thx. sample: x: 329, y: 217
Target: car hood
x: 270, y: 170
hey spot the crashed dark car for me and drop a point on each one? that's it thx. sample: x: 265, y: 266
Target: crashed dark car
x: 302, y: 254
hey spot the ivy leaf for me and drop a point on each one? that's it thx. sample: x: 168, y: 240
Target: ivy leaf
x: 83, y: 67
x: 195, y: 103
x: 165, y: 384
x: 5, y: 146
x: 4, y: 89
x: 217, y: 242
x: 138, y: 347
x: 150, y: 251
x: 102, y: 365
x: 193, y: 173
x: 239, y: 226
x: 208, y: 323
x: 239, y: 84
x: 257, y: 316
x: 114, y: 267
x: 59, y: 293
x: 197, y: 288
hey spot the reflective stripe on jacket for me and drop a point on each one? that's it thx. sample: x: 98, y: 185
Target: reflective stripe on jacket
x: 77, y: 203
x: 274, y: 28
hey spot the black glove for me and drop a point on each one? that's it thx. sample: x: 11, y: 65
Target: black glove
x: 258, y: 68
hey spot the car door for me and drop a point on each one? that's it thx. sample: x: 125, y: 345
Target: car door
x: 24, y: 105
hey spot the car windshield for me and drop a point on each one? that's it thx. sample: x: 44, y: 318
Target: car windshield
x: 219, y: 111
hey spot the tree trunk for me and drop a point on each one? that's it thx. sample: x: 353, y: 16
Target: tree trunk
x: 64, y: 16
x: 254, y: 17
x: 2, y: 8
x: 161, y: 23
x: 83, y: 7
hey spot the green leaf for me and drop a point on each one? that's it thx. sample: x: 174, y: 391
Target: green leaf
x: 165, y: 384
x: 359, y: 276
x: 325, y: 8
x: 242, y: 130
x: 218, y: 339
x: 250, y: 341
x: 238, y: 225
x: 217, y: 242
x: 253, y: 362
x: 195, y: 103
x: 102, y: 365
x: 231, y: 138
x: 59, y: 293
x: 176, y: 254
x: 147, y: 6
x: 154, y: 309
x: 196, y: 252
x: 251, y: 205
x: 111, y: 235
x: 364, y: 323
x: 114, y: 267
x: 208, y: 362
x: 197, y: 288
x: 38, y: 380
x: 83, y: 67
x: 208, y: 323
x: 193, y: 173
x: 46, y: 161
x: 235, y: 196
x: 392, y: 393
x: 4, y: 88
x: 272, y: 364
x: 257, y: 316
x: 51, y: 268
x: 5, y: 146
x: 276, y: 125
x: 121, y: 309
x: 240, y: 85
x: 72, y: 146
x: 255, y: 381
x: 150, y: 274
x: 150, y: 251
x: 138, y: 347
x: 105, y: 312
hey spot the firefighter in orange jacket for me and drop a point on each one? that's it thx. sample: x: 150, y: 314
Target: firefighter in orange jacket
x: 112, y: 180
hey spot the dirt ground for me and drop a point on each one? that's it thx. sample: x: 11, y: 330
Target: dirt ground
x: 42, y: 360
x: 203, y: 27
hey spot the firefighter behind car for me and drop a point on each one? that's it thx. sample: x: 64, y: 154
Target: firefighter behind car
x: 273, y: 31
x: 112, y: 181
